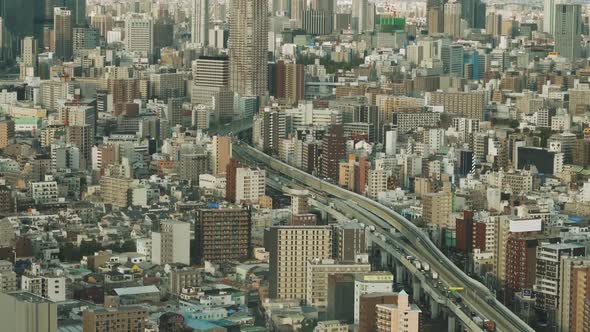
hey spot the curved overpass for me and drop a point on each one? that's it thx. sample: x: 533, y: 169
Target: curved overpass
x: 476, y: 295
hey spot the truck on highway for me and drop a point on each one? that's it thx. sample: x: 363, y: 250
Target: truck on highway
x: 417, y: 264
x: 434, y: 275
x: 426, y: 266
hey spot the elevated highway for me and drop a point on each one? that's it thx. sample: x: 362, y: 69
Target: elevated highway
x: 476, y: 295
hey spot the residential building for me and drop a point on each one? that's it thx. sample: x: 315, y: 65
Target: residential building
x: 171, y: 244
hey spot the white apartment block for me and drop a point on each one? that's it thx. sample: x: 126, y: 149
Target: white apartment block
x: 250, y: 185
x: 172, y: 243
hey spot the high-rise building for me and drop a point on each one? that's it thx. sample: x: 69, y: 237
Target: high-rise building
x: 360, y: 15
x: 19, y: 309
x: 248, y: 47
x: 191, y: 165
x: 435, y: 16
x: 84, y: 38
x: 115, y: 319
x: 294, y: 82
x: 200, y: 22
x: 28, y: 53
x: 350, y: 240
x: 494, y: 24
x: 549, y: 259
x: 437, y: 208
x: 568, y: 30
x: 333, y: 150
x: 290, y: 248
x: 139, y: 34
x: 318, y: 272
x: 230, y: 175
x: 574, y: 290
x: 467, y: 104
x: 171, y: 244
x: 250, y: 185
x: 211, y: 78
x: 223, y: 235
x: 220, y: 154
x: 474, y: 12
x: 452, y: 19
x: 7, y: 133
x: 63, y: 38
x: 549, y: 15
x: 78, y: 9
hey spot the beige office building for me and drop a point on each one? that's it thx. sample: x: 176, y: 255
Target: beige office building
x: 291, y: 247
x: 317, y: 278
x: 437, y: 208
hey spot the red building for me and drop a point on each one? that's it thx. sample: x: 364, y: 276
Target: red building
x: 464, y: 227
x: 230, y: 178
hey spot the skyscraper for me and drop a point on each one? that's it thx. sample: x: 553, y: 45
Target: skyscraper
x: 474, y: 12
x: 452, y: 25
x: 568, y: 30
x: 549, y: 15
x: 435, y: 16
x: 139, y: 34
x: 359, y: 15
x: 248, y: 47
x: 78, y: 9
x: 200, y: 22
x: 62, y: 27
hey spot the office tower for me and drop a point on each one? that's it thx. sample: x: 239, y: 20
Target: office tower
x: 296, y: 9
x: 171, y: 244
x: 290, y: 248
x: 223, y: 235
x: 221, y: 153
x: 78, y: 9
x: 549, y: 15
x: 350, y: 240
x: 200, y: 22
x: 398, y: 316
x: 574, y: 290
x: 82, y: 137
x: 19, y: 309
x: 211, y: 87
x: 63, y: 33
x: 359, y: 15
x: 7, y: 133
x: 474, y: 12
x: 139, y: 34
x: 366, y: 284
x: 494, y: 24
x: 115, y: 319
x: 452, y: 58
x: 318, y: 272
x: 327, y: 10
x: 103, y: 23
x: 294, y: 82
x: 174, y: 112
x: 250, y: 185
x: 549, y: 259
x: 452, y: 19
x: 435, y: 16
x: 29, y: 51
x: 84, y: 38
x: 248, y: 47
x: 568, y: 30
x: 191, y: 165
x: 333, y: 150
x: 167, y: 85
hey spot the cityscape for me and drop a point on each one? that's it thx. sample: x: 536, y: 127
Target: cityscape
x: 294, y: 165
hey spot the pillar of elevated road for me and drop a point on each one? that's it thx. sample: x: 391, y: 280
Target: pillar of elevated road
x: 399, y: 273
x: 434, y: 309
x: 416, y: 289
x: 452, y: 323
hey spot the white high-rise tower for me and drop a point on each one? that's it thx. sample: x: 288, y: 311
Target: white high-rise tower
x: 200, y: 22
